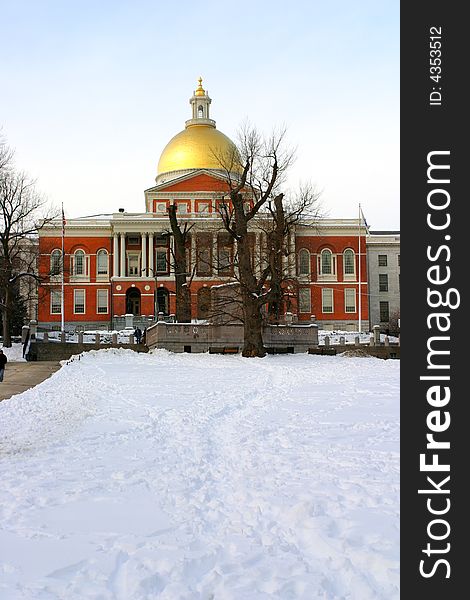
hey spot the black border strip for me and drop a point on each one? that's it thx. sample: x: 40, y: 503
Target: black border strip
x: 425, y: 128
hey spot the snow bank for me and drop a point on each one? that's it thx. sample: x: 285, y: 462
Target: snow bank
x: 141, y: 476
x: 15, y: 353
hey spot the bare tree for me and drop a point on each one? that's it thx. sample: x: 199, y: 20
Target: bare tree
x: 254, y: 174
x: 285, y: 214
x: 182, y: 276
x: 23, y: 212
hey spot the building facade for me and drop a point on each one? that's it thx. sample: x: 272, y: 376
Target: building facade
x: 121, y: 263
x: 383, y: 254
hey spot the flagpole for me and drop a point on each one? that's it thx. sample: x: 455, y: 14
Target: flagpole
x: 359, y: 254
x: 62, y: 303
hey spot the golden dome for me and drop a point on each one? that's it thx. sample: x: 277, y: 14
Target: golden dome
x: 196, y: 147
x: 199, y: 146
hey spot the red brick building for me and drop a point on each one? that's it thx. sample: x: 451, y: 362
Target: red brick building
x: 120, y: 263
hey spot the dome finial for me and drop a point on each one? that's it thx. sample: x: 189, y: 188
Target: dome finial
x: 200, y: 90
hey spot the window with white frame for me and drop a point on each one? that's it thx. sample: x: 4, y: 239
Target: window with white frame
x: 161, y: 253
x: 304, y: 262
x: 382, y: 260
x: 56, y: 262
x: 305, y: 300
x: 327, y: 265
x: 133, y: 265
x: 79, y: 264
x: 182, y: 207
x: 350, y: 300
x: 79, y: 302
x: 101, y: 301
x: 56, y: 302
x: 384, y: 312
x: 326, y: 262
x: 327, y: 300
x: 162, y: 260
x: 349, y: 263
x: 102, y: 262
x: 203, y: 207
x: 383, y: 282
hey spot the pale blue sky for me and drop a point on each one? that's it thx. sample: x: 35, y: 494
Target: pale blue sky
x: 92, y: 92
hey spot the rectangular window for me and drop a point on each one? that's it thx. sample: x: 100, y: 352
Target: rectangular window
x: 304, y: 262
x: 305, y: 300
x: 203, y: 207
x: 79, y: 302
x: 161, y: 240
x: 102, y: 301
x: 56, y: 302
x: 383, y: 283
x: 162, y: 261
x: 224, y: 253
x: 327, y: 300
x: 350, y: 300
x: 182, y: 207
x: 382, y: 260
x: 204, y: 254
x: 133, y: 265
x: 384, y: 312
x: 133, y: 240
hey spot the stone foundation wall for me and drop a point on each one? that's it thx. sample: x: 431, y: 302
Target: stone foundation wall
x: 180, y: 337
x: 63, y: 351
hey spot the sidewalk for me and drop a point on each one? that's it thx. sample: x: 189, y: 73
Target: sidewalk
x: 20, y: 376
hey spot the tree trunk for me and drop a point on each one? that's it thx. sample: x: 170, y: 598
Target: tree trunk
x: 276, y: 252
x: 183, y: 295
x: 183, y: 300
x: 253, y: 329
x: 6, y: 318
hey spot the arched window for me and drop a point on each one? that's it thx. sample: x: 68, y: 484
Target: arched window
x: 200, y: 111
x: 102, y: 262
x: 56, y: 262
x: 79, y: 263
x: 348, y: 262
x: 304, y: 262
x: 326, y: 262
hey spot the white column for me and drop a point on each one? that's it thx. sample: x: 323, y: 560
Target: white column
x: 123, y: 255
x: 115, y: 255
x: 143, y: 272
x: 151, y: 270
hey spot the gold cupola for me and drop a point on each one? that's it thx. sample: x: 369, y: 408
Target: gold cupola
x: 199, y: 146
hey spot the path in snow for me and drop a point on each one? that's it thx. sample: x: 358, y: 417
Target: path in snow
x: 130, y: 476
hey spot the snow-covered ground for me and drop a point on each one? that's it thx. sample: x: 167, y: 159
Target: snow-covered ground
x: 132, y: 476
